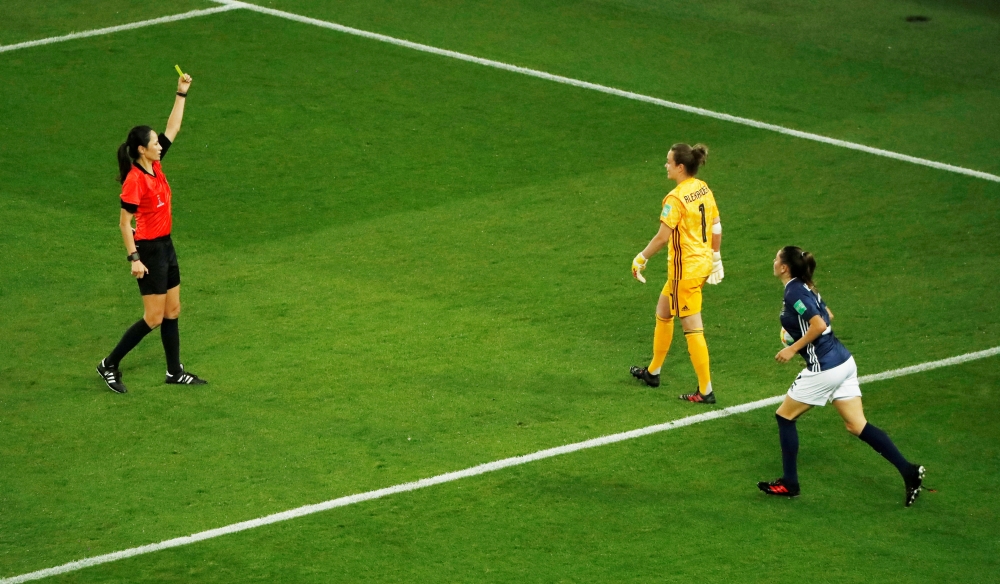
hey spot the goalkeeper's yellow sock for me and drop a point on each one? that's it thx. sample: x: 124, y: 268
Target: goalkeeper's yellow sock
x: 662, y: 336
x: 698, y: 349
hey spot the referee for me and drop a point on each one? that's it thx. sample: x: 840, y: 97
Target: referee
x: 146, y: 198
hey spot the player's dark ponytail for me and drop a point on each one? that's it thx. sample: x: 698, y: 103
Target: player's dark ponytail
x: 692, y: 157
x: 128, y: 152
x: 800, y: 263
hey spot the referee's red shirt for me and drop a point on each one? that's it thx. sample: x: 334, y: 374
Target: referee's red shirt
x: 148, y: 197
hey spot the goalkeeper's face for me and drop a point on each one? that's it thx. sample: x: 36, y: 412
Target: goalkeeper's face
x: 675, y: 171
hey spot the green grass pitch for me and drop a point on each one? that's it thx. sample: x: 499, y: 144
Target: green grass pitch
x: 397, y: 265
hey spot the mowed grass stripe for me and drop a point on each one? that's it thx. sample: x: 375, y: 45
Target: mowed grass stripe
x: 628, y: 513
x: 466, y: 473
x: 234, y: 5
x: 616, y: 92
x: 825, y: 70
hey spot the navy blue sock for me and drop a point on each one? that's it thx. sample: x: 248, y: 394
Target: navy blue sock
x: 789, y: 436
x: 881, y: 443
x: 130, y: 339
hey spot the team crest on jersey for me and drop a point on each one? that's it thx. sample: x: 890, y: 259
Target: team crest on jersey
x: 799, y: 307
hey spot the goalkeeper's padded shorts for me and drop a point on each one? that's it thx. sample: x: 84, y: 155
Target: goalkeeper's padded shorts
x: 684, y: 295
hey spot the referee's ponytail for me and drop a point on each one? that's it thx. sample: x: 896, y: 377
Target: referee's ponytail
x: 800, y: 263
x: 128, y: 152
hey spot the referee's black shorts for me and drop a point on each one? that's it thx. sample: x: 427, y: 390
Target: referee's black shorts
x: 160, y: 259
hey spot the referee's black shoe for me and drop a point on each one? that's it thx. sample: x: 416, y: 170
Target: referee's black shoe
x: 779, y: 488
x: 184, y: 378
x: 112, y: 376
x: 915, y: 484
x: 644, y: 374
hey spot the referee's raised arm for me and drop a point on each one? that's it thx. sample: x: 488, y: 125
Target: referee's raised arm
x: 177, y: 113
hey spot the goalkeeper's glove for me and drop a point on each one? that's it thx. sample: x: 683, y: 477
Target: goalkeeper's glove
x: 717, y: 272
x: 638, y: 265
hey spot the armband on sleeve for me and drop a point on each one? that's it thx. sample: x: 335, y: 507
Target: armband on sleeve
x: 717, y: 228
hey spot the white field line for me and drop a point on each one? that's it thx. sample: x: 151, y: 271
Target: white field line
x: 465, y: 473
x: 233, y: 5
x: 930, y: 365
x: 612, y: 91
x: 121, y: 27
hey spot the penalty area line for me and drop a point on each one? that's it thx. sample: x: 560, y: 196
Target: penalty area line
x: 468, y: 472
x: 119, y: 28
x: 611, y: 90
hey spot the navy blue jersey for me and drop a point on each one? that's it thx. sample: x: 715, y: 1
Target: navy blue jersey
x: 800, y: 305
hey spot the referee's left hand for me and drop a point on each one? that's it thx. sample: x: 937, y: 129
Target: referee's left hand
x: 183, y: 83
x: 139, y: 269
x: 785, y: 355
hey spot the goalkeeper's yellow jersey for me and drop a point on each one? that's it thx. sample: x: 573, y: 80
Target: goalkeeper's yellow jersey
x: 690, y: 211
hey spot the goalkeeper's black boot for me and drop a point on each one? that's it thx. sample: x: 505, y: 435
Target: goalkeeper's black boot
x: 184, y: 378
x: 111, y: 376
x: 644, y: 374
x: 914, y: 484
x: 779, y: 488
x: 698, y: 397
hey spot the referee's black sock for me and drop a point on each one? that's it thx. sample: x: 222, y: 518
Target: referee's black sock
x: 171, y: 338
x: 788, y: 434
x: 881, y: 443
x: 130, y: 339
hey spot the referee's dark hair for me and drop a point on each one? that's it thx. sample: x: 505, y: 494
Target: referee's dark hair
x: 800, y: 263
x: 692, y: 157
x: 129, y: 150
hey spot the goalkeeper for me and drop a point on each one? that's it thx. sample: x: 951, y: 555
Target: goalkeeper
x: 690, y: 228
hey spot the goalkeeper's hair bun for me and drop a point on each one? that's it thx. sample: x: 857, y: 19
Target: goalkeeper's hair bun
x: 800, y: 263
x: 692, y: 157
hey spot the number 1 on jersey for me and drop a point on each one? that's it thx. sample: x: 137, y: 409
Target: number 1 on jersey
x: 704, y: 232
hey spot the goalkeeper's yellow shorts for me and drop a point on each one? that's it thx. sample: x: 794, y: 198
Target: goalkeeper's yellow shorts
x: 684, y: 295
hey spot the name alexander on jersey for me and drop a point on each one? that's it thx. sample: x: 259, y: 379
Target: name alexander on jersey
x: 690, y: 198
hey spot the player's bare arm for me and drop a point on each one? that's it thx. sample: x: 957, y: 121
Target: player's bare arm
x: 177, y: 113
x: 817, y: 326
x: 659, y: 240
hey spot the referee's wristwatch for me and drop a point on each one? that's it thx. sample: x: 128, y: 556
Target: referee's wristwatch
x: 133, y: 257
